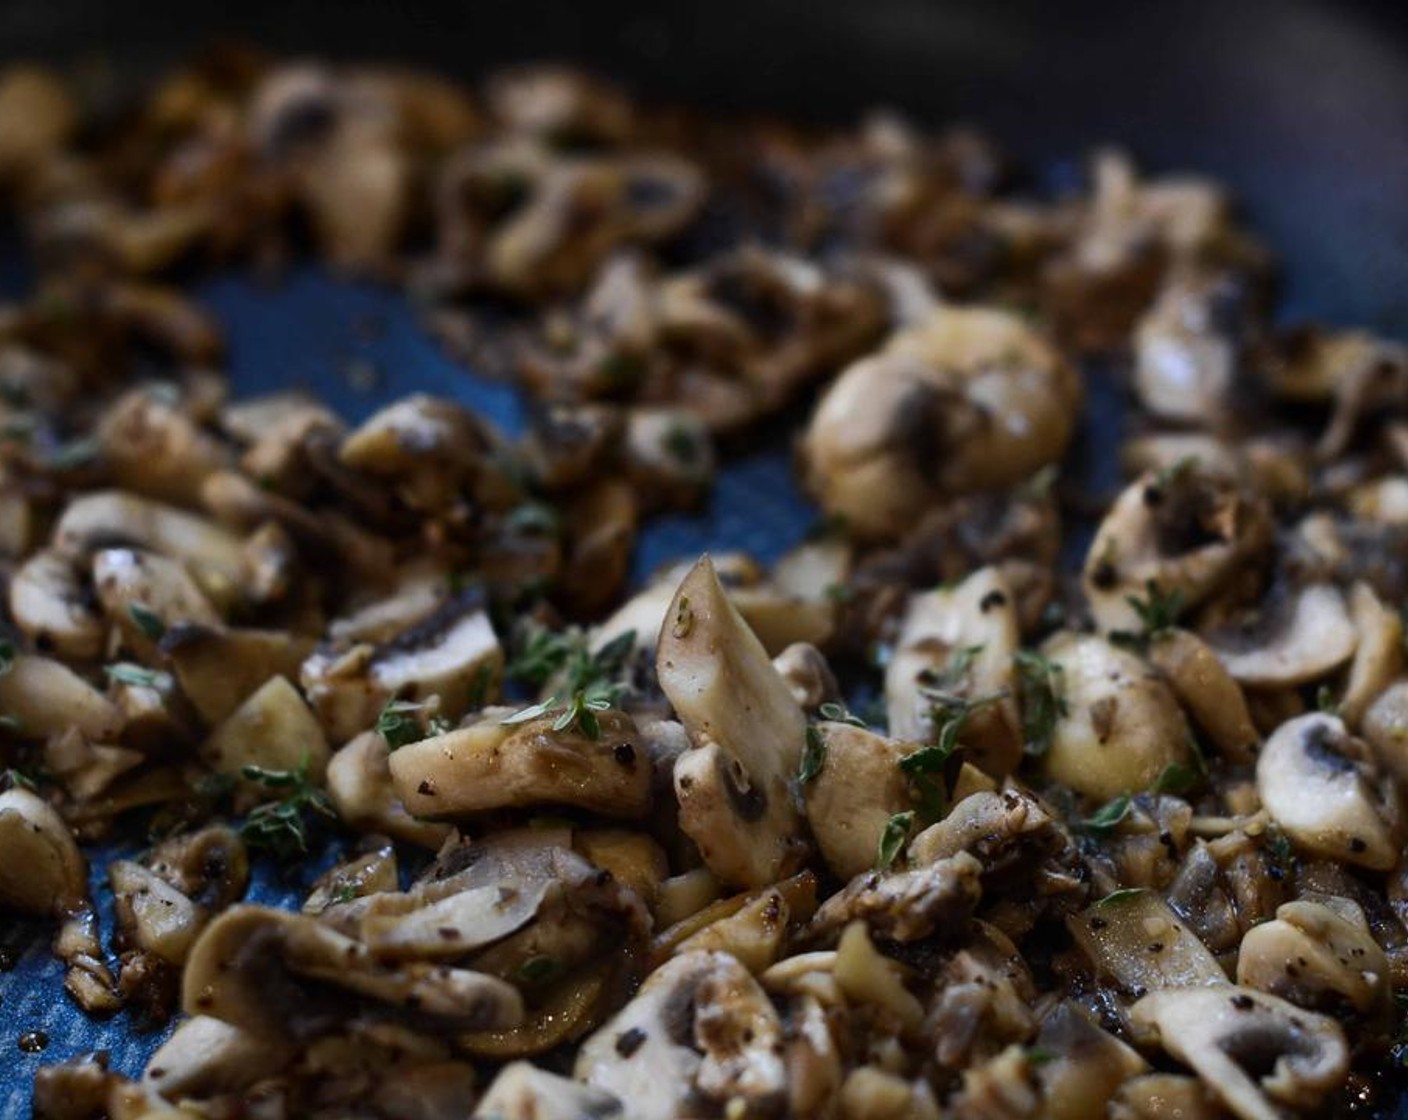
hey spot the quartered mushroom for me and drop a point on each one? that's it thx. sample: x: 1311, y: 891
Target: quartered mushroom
x: 970, y: 399
x: 1257, y: 1053
x: 959, y: 642
x: 734, y: 785
x: 1322, y: 786
x: 52, y: 604
x: 364, y: 796
x: 1121, y: 725
x: 45, y: 697
x: 858, y: 787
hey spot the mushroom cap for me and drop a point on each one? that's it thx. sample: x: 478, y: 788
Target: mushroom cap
x: 1321, y: 785
x: 1248, y: 1046
x: 1293, y: 640
x: 43, y: 871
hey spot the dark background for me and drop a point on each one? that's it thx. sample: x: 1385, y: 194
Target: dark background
x: 1301, y: 106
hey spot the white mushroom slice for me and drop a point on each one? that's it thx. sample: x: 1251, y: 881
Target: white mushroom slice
x: 1248, y: 1046
x: 1186, y: 530
x: 1322, y: 786
x: 1165, y: 1096
x: 646, y: 1053
x: 154, y: 449
x: 808, y: 676
x: 45, y: 697
x: 491, y: 766
x: 273, y: 730
x: 1184, y: 359
x: 452, y: 926
x: 859, y: 787
x: 1291, y: 642
x: 205, y: 1057
x: 867, y: 977
x: 969, y: 399
x: 42, y: 872
x: 289, y: 975
x: 1385, y: 726
x: 49, y: 603
x: 740, y: 1034
x: 523, y: 1092
x: 734, y: 785
x: 960, y: 641
x: 428, y: 446
x: 144, y: 594
x: 159, y: 918
x: 1378, y: 654
x: 1134, y: 939
x: 1087, y: 1065
x: 1121, y: 725
x: 452, y: 654
x: 97, y: 520
x: 359, y: 785
x: 1320, y: 955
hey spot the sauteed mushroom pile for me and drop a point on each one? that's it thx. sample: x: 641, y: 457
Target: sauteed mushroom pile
x: 921, y: 820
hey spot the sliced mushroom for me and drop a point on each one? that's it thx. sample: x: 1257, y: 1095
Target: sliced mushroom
x: 1185, y: 531
x: 289, y: 976
x: 1322, y: 786
x: 44, y: 697
x: 1186, y: 350
x: 1290, y: 641
x: 524, y: 1092
x: 361, y: 790
x: 205, y: 1057
x: 960, y: 641
x: 1087, y: 1065
x: 970, y: 399
x: 43, y: 872
x: 155, y: 449
x: 273, y: 730
x: 1207, y: 692
x: 1385, y: 727
x: 937, y: 898
x: 49, y: 602
x: 491, y: 766
x: 1378, y: 653
x: 1319, y: 954
x: 218, y: 669
x: 144, y: 593
x: 1121, y: 725
x: 453, y: 654
x: 1250, y: 1049
x: 734, y: 785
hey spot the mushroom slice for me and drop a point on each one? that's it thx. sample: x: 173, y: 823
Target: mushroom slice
x: 144, y: 593
x: 42, y: 872
x: 1378, y: 653
x: 273, y: 730
x: 154, y: 916
x: 361, y: 790
x: 152, y: 447
x: 1385, y: 726
x: 1207, y: 692
x: 852, y: 797
x: 1120, y: 725
x: 1087, y: 1067
x: 1322, y: 786
x: 959, y: 641
x: 218, y: 669
x: 1290, y: 641
x: 1186, y: 350
x: 452, y: 654
x: 1250, y: 1049
x: 700, y: 1028
x: 734, y: 785
x: 50, y: 604
x: 205, y: 1057
x: 937, y: 898
x: 96, y: 520
x: 290, y: 976
x: 1185, y: 530
x: 45, y: 697
x: 970, y: 399
x: 523, y: 1092
x: 491, y: 766
x: 1320, y: 955
x: 1133, y: 938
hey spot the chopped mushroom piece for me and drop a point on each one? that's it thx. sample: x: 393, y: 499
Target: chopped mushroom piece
x: 523, y: 1092
x: 1257, y: 1053
x: 851, y: 798
x: 1323, y: 788
x: 1290, y: 641
x: 734, y: 785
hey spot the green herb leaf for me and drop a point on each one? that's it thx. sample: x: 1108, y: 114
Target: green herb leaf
x: 926, y: 770
x: 148, y: 622
x: 813, y: 756
x: 1124, y: 894
x: 139, y: 676
x: 281, y: 827
x: 532, y: 712
x: 7, y: 655
x: 73, y: 454
x: 1177, y: 779
x: 1158, y: 613
x: 682, y: 445
x: 397, y: 723
x: 892, y: 839
x: 534, y: 519
x: 344, y: 892
x: 839, y: 713
x: 1041, y: 691
x: 1038, y: 1056
x: 1107, y: 816
x: 955, y: 671
x: 536, y: 970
